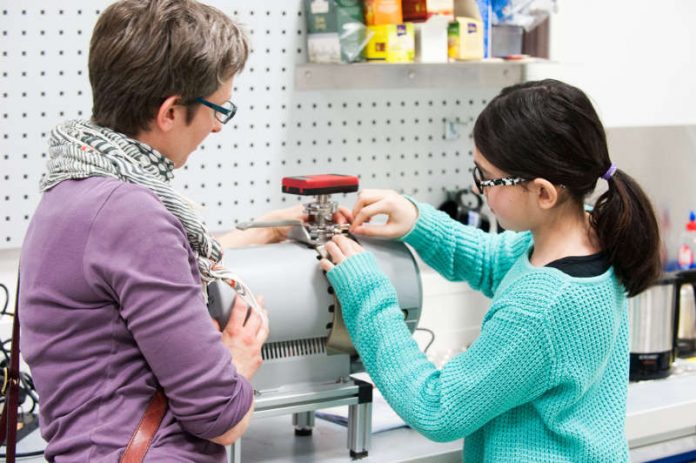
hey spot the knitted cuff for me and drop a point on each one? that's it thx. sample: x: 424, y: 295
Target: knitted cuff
x: 428, y: 220
x: 354, y: 276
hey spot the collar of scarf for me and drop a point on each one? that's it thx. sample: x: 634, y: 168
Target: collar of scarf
x: 80, y: 149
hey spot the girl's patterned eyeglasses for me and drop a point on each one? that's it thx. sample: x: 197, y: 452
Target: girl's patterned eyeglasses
x: 482, y: 183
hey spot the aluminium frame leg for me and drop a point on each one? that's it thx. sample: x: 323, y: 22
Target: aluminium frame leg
x: 235, y: 452
x: 359, y: 429
x: 303, y: 422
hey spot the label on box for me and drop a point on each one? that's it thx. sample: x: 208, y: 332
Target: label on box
x: 319, y: 6
x: 324, y: 48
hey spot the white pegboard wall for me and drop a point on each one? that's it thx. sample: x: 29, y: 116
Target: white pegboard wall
x: 390, y: 138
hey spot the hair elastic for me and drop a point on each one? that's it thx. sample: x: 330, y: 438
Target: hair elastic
x: 610, y: 171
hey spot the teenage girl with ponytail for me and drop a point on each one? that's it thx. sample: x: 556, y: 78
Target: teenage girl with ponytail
x: 547, y: 378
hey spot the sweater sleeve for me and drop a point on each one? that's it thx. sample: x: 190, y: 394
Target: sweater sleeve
x: 464, y: 253
x: 508, y: 365
x: 139, y: 254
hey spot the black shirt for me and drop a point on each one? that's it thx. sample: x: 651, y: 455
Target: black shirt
x: 582, y: 266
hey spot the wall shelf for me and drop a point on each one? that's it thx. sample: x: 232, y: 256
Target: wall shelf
x: 493, y: 73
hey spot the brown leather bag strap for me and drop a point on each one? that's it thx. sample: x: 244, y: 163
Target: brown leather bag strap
x: 10, y: 389
x: 145, y: 432
x: 139, y: 442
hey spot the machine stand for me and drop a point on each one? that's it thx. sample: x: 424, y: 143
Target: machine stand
x: 303, y: 422
x: 358, y: 455
x: 236, y: 451
x: 360, y: 422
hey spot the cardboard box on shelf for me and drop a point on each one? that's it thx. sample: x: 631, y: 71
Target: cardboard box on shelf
x: 465, y: 35
x: 465, y: 39
x: 441, y: 8
x: 378, y: 12
x: 393, y: 43
x: 414, y: 10
x: 506, y: 40
x: 421, y: 10
x: 431, y: 40
x: 336, y: 31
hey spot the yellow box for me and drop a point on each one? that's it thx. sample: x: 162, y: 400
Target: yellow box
x: 465, y: 39
x: 393, y: 43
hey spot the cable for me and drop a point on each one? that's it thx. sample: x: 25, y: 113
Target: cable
x: 35, y: 453
x: 7, y: 298
x: 432, y: 338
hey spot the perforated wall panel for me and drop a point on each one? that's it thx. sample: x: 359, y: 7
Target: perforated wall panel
x: 391, y: 138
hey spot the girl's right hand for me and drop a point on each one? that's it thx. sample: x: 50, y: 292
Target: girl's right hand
x: 401, y: 214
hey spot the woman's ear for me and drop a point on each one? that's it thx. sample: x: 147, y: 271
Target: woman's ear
x: 546, y: 193
x: 168, y: 113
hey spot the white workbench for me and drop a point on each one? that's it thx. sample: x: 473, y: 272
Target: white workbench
x: 661, y: 421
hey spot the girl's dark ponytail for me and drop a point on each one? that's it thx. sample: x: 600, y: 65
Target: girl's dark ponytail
x: 625, y: 223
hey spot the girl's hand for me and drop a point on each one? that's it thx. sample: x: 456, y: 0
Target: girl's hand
x: 339, y: 248
x: 402, y: 214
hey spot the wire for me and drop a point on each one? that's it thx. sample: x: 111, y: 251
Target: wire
x: 36, y: 453
x: 432, y: 338
x: 7, y: 298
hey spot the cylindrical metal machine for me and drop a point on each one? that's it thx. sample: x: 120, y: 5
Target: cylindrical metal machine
x: 308, y: 340
x: 306, y: 327
x: 308, y: 357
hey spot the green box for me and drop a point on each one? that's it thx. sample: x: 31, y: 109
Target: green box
x: 335, y: 31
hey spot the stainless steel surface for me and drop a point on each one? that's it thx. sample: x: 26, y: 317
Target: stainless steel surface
x: 317, y: 394
x: 651, y: 315
x: 272, y: 440
x: 268, y: 224
x: 398, y: 75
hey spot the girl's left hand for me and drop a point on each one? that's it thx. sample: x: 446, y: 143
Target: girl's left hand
x: 339, y: 248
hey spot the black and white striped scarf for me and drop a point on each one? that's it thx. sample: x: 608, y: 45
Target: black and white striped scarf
x: 80, y: 149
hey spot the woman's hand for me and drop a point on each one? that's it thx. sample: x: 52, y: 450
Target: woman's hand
x: 401, y: 214
x: 339, y: 248
x: 255, y: 236
x: 244, y: 336
x: 278, y: 234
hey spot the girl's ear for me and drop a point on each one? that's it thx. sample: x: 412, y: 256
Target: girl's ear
x: 546, y: 193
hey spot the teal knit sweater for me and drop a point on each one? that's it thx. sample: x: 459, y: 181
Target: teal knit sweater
x: 545, y: 381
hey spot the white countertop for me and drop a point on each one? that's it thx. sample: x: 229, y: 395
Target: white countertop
x: 660, y: 421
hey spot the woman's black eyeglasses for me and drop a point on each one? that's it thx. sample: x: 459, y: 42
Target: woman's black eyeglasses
x: 222, y: 113
x: 482, y: 183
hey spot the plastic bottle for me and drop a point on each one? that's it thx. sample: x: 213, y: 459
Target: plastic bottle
x: 687, y: 246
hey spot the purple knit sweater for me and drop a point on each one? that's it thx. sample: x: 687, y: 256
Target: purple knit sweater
x: 111, y: 307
